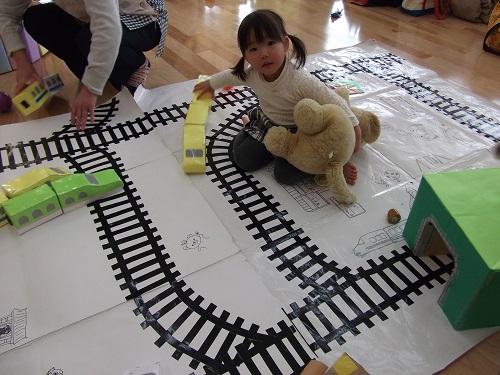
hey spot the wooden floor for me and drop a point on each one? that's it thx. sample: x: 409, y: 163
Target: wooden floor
x: 201, y: 40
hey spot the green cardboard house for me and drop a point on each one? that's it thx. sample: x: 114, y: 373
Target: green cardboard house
x: 458, y: 213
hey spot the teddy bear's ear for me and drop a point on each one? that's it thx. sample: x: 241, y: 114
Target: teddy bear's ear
x: 308, y: 116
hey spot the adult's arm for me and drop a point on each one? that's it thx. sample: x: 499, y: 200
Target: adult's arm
x: 106, y: 29
x: 11, y: 15
x: 107, y: 32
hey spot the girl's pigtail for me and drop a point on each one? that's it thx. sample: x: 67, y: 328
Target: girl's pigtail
x: 239, y: 70
x: 299, y: 51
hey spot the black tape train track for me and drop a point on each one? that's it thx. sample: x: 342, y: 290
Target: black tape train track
x: 340, y: 302
x: 141, y: 262
x: 382, y: 66
x: 332, y: 289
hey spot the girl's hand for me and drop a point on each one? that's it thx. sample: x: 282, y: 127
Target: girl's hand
x: 204, y: 87
x: 82, y: 108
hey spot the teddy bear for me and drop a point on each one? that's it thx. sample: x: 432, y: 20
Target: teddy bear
x: 324, y: 141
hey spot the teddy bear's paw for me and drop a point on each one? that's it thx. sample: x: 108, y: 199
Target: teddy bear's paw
x: 338, y: 185
x: 276, y: 141
x: 370, y: 127
x: 345, y: 197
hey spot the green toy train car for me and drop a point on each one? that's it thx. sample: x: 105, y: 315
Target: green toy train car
x: 45, y: 202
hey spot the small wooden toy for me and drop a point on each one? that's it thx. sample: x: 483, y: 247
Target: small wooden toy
x: 393, y: 216
x: 193, y: 153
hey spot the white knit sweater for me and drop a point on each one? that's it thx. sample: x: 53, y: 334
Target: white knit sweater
x: 278, y: 99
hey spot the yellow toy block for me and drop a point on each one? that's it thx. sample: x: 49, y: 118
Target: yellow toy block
x: 202, y: 78
x: 345, y: 365
x: 197, y: 114
x: 31, y: 98
x: 193, y: 153
x: 194, y: 149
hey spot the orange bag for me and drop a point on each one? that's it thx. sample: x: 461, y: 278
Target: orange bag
x: 492, y: 38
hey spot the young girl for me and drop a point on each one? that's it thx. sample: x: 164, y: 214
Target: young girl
x: 279, y: 83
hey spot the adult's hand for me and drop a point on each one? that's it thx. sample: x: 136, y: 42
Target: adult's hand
x: 83, y: 108
x: 25, y: 73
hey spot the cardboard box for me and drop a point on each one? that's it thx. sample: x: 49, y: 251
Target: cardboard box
x: 459, y: 213
x: 5, y: 66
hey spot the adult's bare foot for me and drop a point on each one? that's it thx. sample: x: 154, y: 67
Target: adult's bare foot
x: 350, y: 173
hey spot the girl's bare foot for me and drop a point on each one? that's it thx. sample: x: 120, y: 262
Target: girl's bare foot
x: 245, y: 119
x: 350, y: 173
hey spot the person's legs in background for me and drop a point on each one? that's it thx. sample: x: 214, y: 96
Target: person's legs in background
x: 70, y: 39
x: 58, y: 32
x: 132, y: 66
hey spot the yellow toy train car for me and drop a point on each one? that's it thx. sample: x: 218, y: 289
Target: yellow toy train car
x: 31, y: 98
x: 32, y: 179
x: 193, y: 153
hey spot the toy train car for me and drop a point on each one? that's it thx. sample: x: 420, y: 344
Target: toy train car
x: 32, y: 179
x: 52, y: 199
x: 193, y: 155
x: 33, y: 96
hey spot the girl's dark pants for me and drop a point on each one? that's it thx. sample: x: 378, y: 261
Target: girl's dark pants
x: 250, y: 155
